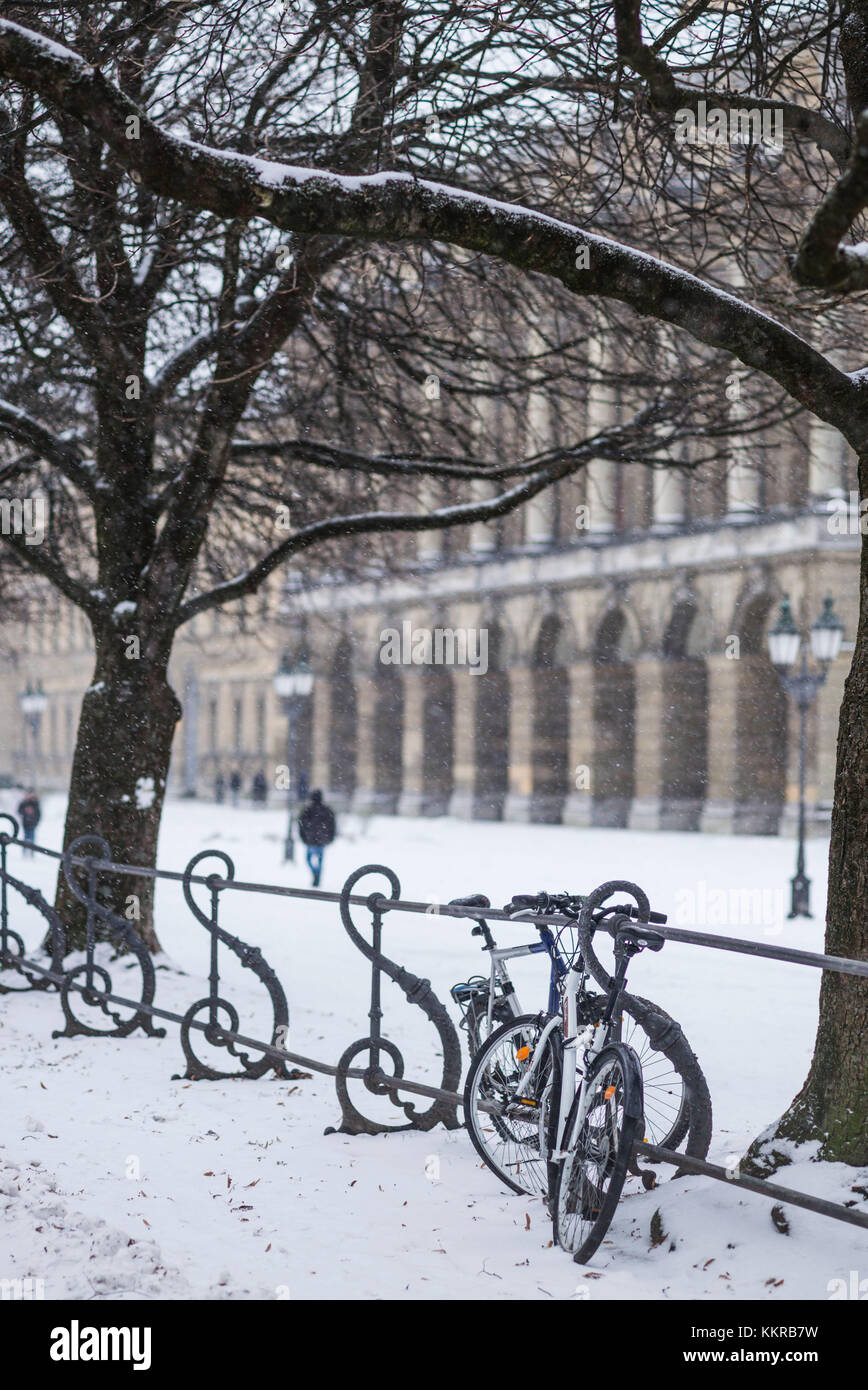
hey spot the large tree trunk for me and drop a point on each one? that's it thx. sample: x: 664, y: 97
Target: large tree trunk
x: 832, y: 1106
x: 118, y: 781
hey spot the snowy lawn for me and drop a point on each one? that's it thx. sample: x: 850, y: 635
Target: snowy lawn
x: 118, y: 1181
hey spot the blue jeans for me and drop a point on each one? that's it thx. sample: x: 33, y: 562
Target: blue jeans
x: 29, y: 832
x: 314, y: 861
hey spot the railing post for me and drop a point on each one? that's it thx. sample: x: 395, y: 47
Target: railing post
x: 417, y: 992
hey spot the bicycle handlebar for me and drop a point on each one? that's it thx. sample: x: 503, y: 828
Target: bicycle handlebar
x: 555, y: 902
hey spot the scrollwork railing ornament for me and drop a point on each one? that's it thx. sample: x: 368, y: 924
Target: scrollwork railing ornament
x: 417, y: 991
x: 252, y: 958
x: 13, y: 955
x: 92, y: 849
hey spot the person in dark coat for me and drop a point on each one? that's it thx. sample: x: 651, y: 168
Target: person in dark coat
x: 220, y: 789
x: 260, y: 788
x: 316, y: 826
x: 30, y: 814
x: 235, y: 786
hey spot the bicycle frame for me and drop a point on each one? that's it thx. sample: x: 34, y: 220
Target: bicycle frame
x: 579, y: 1048
x: 499, y: 975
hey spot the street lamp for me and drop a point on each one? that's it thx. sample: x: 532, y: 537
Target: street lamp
x: 293, y: 682
x: 784, y: 643
x: 33, y: 701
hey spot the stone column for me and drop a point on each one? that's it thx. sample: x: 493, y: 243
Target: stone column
x: 667, y: 498
x: 413, y: 746
x: 718, y: 812
x: 645, y: 811
x: 518, y: 798
x: 742, y: 482
x: 742, y: 477
x: 828, y: 451
x: 826, y: 466
x: 429, y: 545
x: 482, y: 534
x: 364, y: 799
x: 539, y: 516
x: 579, y: 801
x: 668, y: 486
x: 464, y: 744
x: 602, y: 412
x: 321, y: 720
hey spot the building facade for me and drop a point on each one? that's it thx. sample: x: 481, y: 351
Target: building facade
x: 606, y: 674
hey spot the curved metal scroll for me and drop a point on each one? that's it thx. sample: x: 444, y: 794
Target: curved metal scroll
x: 375, y: 1045
x: 12, y: 949
x: 97, y: 980
x: 251, y: 957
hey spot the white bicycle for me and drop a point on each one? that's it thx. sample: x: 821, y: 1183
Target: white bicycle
x: 554, y: 1102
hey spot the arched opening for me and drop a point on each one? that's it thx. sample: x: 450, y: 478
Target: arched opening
x: 551, y: 724
x: 684, y: 735
x: 342, y: 727
x: 491, y: 733
x: 614, y: 714
x: 438, y: 724
x: 388, y: 739
x: 760, y: 730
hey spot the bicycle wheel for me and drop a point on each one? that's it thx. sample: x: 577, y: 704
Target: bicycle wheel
x: 676, y: 1096
x: 665, y: 1088
x: 598, y: 1147
x: 514, y: 1140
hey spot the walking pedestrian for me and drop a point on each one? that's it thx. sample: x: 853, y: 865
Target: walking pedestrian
x: 30, y: 814
x: 235, y: 786
x: 259, y: 789
x: 316, y: 826
x: 219, y: 788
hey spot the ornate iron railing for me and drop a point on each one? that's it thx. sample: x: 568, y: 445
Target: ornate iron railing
x: 214, y: 1017
x: 217, y: 1020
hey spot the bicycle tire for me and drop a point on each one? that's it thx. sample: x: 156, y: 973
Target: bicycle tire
x: 666, y: 1035
x: 696, y: 1119
x: 598, y: 1151
x: 515, y: 1150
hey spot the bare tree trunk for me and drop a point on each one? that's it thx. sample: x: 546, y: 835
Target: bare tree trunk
x: 118, y: 781
x: 832, y: 1106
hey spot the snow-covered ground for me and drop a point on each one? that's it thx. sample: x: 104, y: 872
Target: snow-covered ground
x: 118, y: 1181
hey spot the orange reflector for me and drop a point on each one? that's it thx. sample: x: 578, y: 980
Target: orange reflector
x: 609, y: 1092
x: 523, y: 1054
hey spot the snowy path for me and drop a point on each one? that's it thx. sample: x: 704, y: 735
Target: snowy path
x: 116, y: 1181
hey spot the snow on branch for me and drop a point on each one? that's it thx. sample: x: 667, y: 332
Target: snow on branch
x: 823, y: 260
x: 396, y: 207
x: 21, y: 426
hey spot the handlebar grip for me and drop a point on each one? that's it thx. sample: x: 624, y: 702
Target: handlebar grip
x: 529, y: 900
x: 659, y: 917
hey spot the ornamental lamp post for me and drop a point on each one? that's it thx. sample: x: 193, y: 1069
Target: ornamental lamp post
x: 33, y: 701
x: 785, y: 640
x: 293, y: 683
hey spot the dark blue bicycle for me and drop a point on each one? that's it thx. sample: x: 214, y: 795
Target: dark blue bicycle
x: 512, y: 1136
